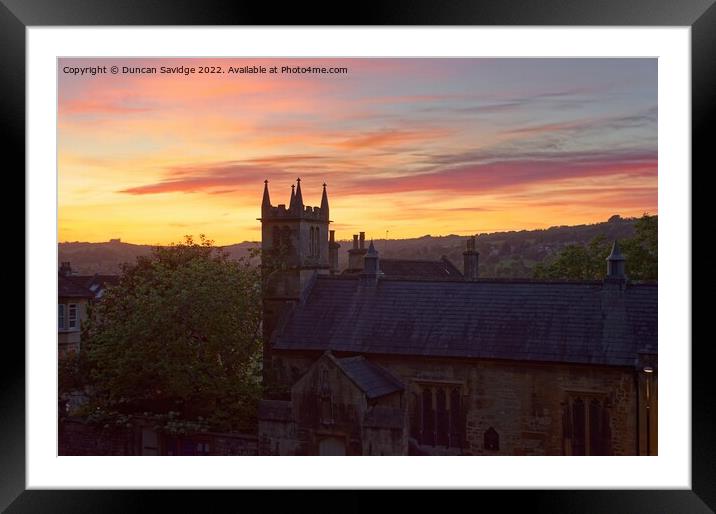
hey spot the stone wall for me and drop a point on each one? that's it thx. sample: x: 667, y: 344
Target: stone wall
x: 327, y: 409
x: 523, y: 402
x: 79, y: 438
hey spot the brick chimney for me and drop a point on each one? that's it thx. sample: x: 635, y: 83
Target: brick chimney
x: 356, y: 255
x: 333, y: 252
x: 470, y: 260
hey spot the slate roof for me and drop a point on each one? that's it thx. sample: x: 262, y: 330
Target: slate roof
x: 95, y: 283
x: 68, y: 288
x: 575, y: 322
x: 373, y: 380
x: 102, y: 280
x: 420, y: 268
x: 414, y: 268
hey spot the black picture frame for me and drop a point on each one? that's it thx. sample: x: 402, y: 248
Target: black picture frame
x: 700, y: 15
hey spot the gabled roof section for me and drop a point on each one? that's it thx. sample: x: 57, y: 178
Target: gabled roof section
x: 68, y: 288
x: 442, y: 269
x: 96, y: 280
x: 372, y: 379
x: 419, y: 268
x: 96, y: 283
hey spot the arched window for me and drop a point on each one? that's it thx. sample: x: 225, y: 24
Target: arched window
x: 428, y: 435
x: 578, y: 429
x: 457, y: 418
x: 318, y: 239
x: 276, y: 237
x: 437, y: 417
x: 585, y: 426
x: 416, y: 418
x: 286, y: 237
x: 442, y: 418
x: 326, y: 399
x: 491, y: 440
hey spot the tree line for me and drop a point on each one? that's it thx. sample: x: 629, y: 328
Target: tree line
x: 588, y: 261
x: 179, y: 338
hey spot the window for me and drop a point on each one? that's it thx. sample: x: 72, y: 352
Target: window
x: 202, y: 448
x: 326, y: 399
x: 313, y: 245
x: 332, y: 446
x: 491, y: 440
x: 438, y: 418
x: 73, y: 322
x: 61, y: 316
x: 585, y: 425
x: 285, y: 238
x: 317, y: 245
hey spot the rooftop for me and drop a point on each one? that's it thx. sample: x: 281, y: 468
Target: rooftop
x: 68, y: 288
x: 556, y: 321
x: 373, y: 380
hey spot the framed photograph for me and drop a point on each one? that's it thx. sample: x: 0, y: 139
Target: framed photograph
x: 428, y: 237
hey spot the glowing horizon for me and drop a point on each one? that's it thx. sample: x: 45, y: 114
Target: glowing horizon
x: 407, y: 146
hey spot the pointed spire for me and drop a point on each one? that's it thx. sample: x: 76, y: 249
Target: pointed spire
x: 371, y: 266
x: 292, y: 202
x: 266, y: 203
x: 324, y: 203
x: 371, y: 249
x: 615, y: 262
x: 299, y: 196
x: 616, y: 254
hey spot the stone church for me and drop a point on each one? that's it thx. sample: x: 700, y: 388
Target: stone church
x: 410, y: 357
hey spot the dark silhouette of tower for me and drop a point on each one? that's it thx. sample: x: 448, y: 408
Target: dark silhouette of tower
x: 294, y: 248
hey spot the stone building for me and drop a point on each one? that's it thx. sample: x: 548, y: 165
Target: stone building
x: 74, y: 294
x: 72, y: 301
x: 417, y: 358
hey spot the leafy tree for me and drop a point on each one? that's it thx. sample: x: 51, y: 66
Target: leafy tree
x: 642, y: 251
x: 577, y: 262
x: 71, y: 372
x: 588, y: 262
x: 179, y: 334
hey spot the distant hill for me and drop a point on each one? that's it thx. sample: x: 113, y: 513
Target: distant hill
x: 107, y: 258
x: 502, y: 254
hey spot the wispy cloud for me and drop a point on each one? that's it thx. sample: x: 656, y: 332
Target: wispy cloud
x: 429, y: 145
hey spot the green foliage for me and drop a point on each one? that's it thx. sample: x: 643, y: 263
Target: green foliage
x: 180, y: 333
x: 588, y: 262
x: 577, y: 262
x: 642, y: 251
x: 72, y: 372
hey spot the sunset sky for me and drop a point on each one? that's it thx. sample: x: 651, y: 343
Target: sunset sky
x: 409, y: 146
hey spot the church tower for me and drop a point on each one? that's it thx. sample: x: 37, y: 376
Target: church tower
x: 294, y: 248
